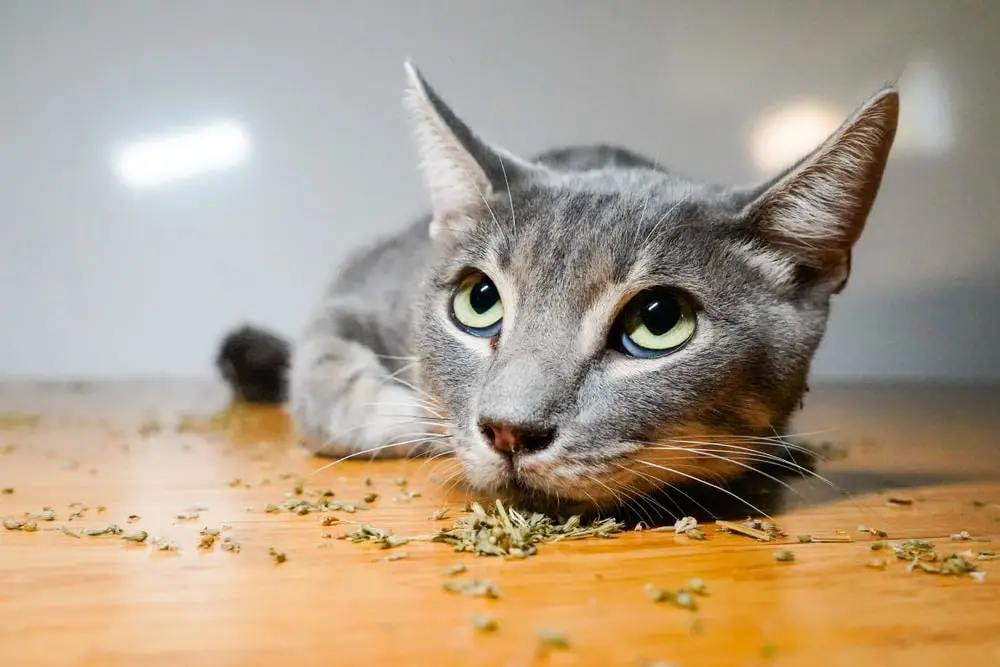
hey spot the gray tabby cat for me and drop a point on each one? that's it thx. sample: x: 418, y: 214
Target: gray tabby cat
x: 584, y: 325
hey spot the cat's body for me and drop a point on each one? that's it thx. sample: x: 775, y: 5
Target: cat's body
x: 585, y: 325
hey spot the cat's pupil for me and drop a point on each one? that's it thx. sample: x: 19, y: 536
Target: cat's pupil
x: 484, y: 296
x: 660, y: 315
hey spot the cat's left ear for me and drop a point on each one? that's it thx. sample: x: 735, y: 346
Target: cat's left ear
x: 461, y: 171
x: 815, y: 212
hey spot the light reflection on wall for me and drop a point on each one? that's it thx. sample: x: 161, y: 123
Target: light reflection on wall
x: 181, y: 155
x: 926, y: 122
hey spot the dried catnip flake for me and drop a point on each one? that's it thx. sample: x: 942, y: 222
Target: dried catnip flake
x: 136, y: 537
x: 369, y: 481
x: 695, y: 534
x: 439, y: 514
x: 879, y: 546
x: 207, y: 541
x: 299, y: 487
x: 484, y: 623
x: 132, y: 518
x: 473, y: 587
x: 962, y: 536
x: 878, y: 533
x: 329, y: 520
x: 101, y: 509
x: 805, y: 538
x: 878, y: 563
x: 30, y: 526
x: 164, y: 544
x: 898, y: 502
x: 8, y: 491
x: 110, y: 529
x: 697, y: 585
x: 978, y: 576
x: 279, y: 557
x: 685, y: 524
x: 399, y: 555
x: 272, y: 508
x: 13, y: 524
x: 189, y: 515
x: 399, y: 481
x: 986, y: 555
x: 784, y: 556
x: 229, y: 545
x: 371, y: 497
x: 47, y: 514
x: 453, y: 570
x: 553, y: 639
x: 67, y: 531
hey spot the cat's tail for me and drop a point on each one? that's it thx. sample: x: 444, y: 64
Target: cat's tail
x: 255, y: 364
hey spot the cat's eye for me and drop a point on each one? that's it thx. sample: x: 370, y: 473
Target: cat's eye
x: 476, y: 306
x: 653, y: 324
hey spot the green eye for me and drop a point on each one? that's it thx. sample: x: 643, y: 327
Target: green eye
x: 655, y: 323
x: 476, y: 306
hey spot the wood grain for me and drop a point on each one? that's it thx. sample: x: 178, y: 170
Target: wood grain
x: 100, y: 601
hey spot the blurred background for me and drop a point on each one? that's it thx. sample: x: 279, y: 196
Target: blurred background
x: 172, y: 168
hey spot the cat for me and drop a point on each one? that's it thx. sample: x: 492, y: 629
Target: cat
x: 581, y: 326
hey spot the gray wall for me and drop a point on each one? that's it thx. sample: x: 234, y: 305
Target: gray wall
x: 98, y: 280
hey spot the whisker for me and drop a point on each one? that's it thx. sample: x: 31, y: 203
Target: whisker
x: 372, y: 450
x: 510, y: 197
x: 707, y: 483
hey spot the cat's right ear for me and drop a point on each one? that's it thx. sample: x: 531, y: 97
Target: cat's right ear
x: 461, y: 170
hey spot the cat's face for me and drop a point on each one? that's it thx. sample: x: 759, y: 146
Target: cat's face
x: 601, y: 335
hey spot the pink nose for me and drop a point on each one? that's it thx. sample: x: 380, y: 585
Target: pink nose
x: 511, y: 439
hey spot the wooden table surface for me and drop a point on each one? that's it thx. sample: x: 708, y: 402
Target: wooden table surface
x: 102, y: 601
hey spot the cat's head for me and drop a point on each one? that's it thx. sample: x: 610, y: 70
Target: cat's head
x: 618, y: 330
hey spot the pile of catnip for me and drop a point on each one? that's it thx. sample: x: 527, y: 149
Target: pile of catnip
x: 504, y: 531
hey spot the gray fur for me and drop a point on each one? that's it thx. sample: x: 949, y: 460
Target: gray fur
x: 568, y: 237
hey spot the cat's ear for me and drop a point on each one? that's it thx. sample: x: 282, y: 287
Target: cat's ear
x: 460, y: 169
x: 816, y: 210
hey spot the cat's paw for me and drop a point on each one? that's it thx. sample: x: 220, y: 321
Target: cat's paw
x: 393, y: 424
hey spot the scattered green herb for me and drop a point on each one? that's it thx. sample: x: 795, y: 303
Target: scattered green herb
x: 8, y: 491
x: 879, y: 546
x: 110, y: 529
x: 101, y: 509
x: 47, y: 514
x: 399, y: 481
x: 697, y: 585
x: 473, y: 587
x: 484, y: 623
x: 805, y: 538
x: 30, y: 526
x: 899, y: 502
x: 681, y: 598
x: 272, y: 508
x: 369, y: 481
x: 165, y: 544
x: 552, y: 639
x: 978, y: 575
x: 453, y: 570
x: 765, y: 531
x: 784, y: 556
x: 503, y: 531
x: 138, y: 537
x: 961, y: 537
x: 368, y: 533
x: 207, y: 541
x: 862, y: 528
x: 685, y: 524
x: 329, y: 520
x: 986, y: 555
x: 299, y: 487
x: 13, y: 524
x: 371, y: 497
x: 279, y: 557
x: 398, y: 555
x: 67, y: 531
x: 229, y: 545
x: 878, y: 533
x: 132, y: 518
x: 189, y: 515
x: 878, y: 563
x: 439, y: 514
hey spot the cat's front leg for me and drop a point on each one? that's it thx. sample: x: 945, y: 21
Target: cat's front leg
x: 346, y: 403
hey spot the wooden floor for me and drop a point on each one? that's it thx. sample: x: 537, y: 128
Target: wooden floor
x: 117, y: 449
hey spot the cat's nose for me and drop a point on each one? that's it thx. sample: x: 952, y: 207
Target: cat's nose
x: 510, y: 439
